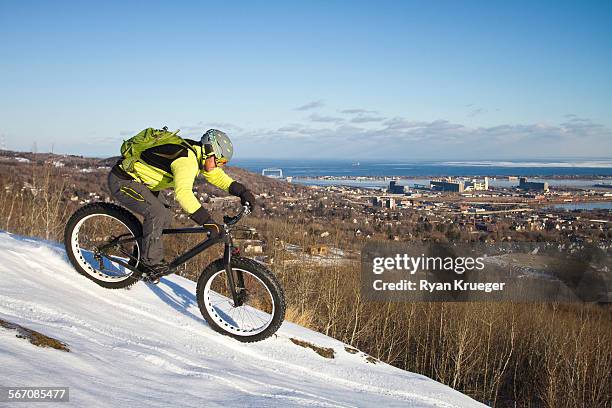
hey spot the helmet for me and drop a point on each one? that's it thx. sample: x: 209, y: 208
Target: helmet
x: 217, y: 143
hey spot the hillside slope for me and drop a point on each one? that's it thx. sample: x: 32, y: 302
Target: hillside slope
x: 150, y: 347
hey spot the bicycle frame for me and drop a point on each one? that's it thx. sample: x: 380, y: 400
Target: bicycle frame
x: 228, y: 251
x: 201, y: 247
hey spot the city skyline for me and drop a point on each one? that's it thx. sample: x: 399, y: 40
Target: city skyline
x: 346, y: 80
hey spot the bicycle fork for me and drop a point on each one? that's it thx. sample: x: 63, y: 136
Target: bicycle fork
x: 235, y: 286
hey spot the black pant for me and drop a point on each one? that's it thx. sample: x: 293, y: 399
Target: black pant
x: 152, y: 206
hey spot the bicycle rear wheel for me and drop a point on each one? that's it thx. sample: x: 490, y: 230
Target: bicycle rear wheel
x: 263, y: 303
x: 99, y: 238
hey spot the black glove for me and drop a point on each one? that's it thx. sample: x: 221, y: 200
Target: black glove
x: 202, y: 217
x: 246, y: 197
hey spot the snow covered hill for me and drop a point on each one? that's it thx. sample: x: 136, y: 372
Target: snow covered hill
x: 150, y: 347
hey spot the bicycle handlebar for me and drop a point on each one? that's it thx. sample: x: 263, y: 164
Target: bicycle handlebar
x: 227, y: 220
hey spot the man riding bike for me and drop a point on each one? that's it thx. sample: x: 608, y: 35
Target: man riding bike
x: 174, y: 166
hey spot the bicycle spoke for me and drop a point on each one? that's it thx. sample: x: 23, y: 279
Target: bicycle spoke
x: 250, y: 318
x: 104, y: 246
x: 255, y: 313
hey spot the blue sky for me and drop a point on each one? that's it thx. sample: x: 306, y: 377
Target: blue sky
x: 352, y: 80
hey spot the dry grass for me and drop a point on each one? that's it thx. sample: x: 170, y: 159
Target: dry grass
x: 303, y: 318
x: 34, y: 337
x: 322, y: 351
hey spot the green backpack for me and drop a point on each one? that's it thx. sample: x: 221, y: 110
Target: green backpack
x: 132, y: 148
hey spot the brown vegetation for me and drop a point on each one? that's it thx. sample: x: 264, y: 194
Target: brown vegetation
x: 322, y: 351
x: 504, y: 354
x: 34, y: 337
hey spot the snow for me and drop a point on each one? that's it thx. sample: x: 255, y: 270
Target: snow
x: 150, y: 347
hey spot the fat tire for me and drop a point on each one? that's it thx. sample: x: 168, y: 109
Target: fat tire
x: 266, y: 276
x: 115, y: 211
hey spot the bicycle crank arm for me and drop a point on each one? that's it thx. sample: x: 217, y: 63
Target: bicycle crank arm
x: 115, y: 241
x: 102, y: 255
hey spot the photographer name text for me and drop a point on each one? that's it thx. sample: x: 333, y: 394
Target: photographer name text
x: 426, y: 286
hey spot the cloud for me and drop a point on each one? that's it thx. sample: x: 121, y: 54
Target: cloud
x: 293, y: 127
x: 191, y: 129
x: 584, y: 127
x: 230, y: 127
x: 325, y: 119
x: 366, y: 119
x: 368, y: 134
x: 310, y: 105
x: 357, y: 111
x: 197, y: 130
x: 401, y: 137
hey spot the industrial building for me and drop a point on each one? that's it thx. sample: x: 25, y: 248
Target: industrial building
x: 532, y: 185
x: 459, y: 186
x: 455, y: 186
x: 395, y: 188
x: 385, y: 202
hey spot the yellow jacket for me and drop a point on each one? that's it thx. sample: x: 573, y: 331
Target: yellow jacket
x: 181, y: 179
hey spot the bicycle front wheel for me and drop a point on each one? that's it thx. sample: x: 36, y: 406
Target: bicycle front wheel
x: 262, y: 308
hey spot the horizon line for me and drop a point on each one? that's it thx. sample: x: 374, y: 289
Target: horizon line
x: 381, y: 161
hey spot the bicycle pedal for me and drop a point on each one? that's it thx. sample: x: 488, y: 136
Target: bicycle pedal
x: 156, y: 275
x: 150, y: 279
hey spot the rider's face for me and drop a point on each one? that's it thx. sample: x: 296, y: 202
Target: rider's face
x: 210, y: 163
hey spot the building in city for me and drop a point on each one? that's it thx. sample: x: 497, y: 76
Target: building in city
x: 395, y: 188
x: 456, y: 186
x: 272, y: 173
x: 384, y: 202
x: 532, y: 185
x: 476, y: 184
x: 390, y: 203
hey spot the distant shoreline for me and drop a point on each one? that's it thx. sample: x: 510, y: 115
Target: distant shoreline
x: 387, y: 178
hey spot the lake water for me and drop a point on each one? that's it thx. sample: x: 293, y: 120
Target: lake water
x: 339, y: 168
x: 601, y: 205
x: 420, y: 172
